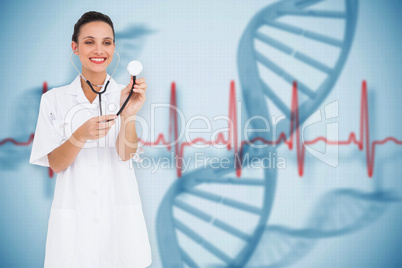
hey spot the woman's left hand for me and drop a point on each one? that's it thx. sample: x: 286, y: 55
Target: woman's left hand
x: 137, y: 98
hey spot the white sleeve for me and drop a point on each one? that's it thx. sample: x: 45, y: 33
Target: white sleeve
x: 47, y: 137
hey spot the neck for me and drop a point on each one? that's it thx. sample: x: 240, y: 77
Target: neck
x: 95, y: 78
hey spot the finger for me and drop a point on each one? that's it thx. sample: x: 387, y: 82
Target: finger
x: 101, y: 136
x: 139, y: 90
x: 127, y: 89
x: 139, y: 81
x: 142, y: 85
x: 102, y: 132
x: 105, y: 117
x: 105, y: 125
x: 132, y: 81
x: 141, y: 97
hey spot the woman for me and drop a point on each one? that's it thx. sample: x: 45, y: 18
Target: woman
x: 96, y: 218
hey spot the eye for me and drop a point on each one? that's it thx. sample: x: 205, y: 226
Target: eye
x: 88, y: 42
x: 108, y: 43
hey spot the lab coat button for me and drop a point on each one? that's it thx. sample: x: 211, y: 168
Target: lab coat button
x: 96, y: 220
x: 94, y: 192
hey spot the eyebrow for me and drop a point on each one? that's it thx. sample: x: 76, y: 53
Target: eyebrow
x: 94, y: 37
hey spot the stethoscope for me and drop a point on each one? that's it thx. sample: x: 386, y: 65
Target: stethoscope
x: 134, y: 68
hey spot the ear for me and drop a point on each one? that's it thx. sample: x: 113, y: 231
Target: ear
x: 74, y: 46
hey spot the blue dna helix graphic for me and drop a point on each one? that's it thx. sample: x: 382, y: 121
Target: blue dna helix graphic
x: 210, y: 218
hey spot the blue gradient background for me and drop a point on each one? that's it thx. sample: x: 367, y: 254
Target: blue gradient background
x: 194, y: 43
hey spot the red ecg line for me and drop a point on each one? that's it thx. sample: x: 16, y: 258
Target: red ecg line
x: 364, y: 139
x: 220, y: 138
x: 362, y: 142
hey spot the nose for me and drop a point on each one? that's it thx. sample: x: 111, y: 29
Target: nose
x: 98, y: 49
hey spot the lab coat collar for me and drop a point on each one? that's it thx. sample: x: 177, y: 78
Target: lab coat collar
x: 76, y: 89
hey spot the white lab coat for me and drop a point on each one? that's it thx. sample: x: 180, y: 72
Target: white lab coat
x: 96, y: 218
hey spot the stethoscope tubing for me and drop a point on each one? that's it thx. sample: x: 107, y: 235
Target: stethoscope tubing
x: 126, y: 101
x: 107, y: 83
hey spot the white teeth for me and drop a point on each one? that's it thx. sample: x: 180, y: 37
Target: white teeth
x: 96, y: 59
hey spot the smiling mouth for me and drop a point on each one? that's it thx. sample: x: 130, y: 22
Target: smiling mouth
x: 97, y: 60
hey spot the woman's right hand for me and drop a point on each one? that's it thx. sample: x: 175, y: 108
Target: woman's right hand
x: 94, y: 128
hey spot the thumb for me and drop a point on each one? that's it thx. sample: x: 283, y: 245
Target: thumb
x: 127, y: 89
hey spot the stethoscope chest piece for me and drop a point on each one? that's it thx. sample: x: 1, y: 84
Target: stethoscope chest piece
x: 134, y: 68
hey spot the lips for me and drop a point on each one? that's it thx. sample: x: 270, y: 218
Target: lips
x: 97, y: 60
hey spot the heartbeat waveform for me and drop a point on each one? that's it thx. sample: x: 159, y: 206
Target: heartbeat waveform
x: 231, y: 141
x: 364, y: 139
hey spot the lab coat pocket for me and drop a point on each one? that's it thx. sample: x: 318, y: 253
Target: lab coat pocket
x: 133, y: 244
x: 59, y: 127
x: 61, y: 238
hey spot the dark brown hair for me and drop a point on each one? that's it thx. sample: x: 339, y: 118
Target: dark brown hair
x: 90, y: 16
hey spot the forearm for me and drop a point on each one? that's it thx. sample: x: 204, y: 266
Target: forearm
x: 62, y: 157
x: 127, y: 140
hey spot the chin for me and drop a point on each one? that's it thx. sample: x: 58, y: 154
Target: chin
x: 98, y: 69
